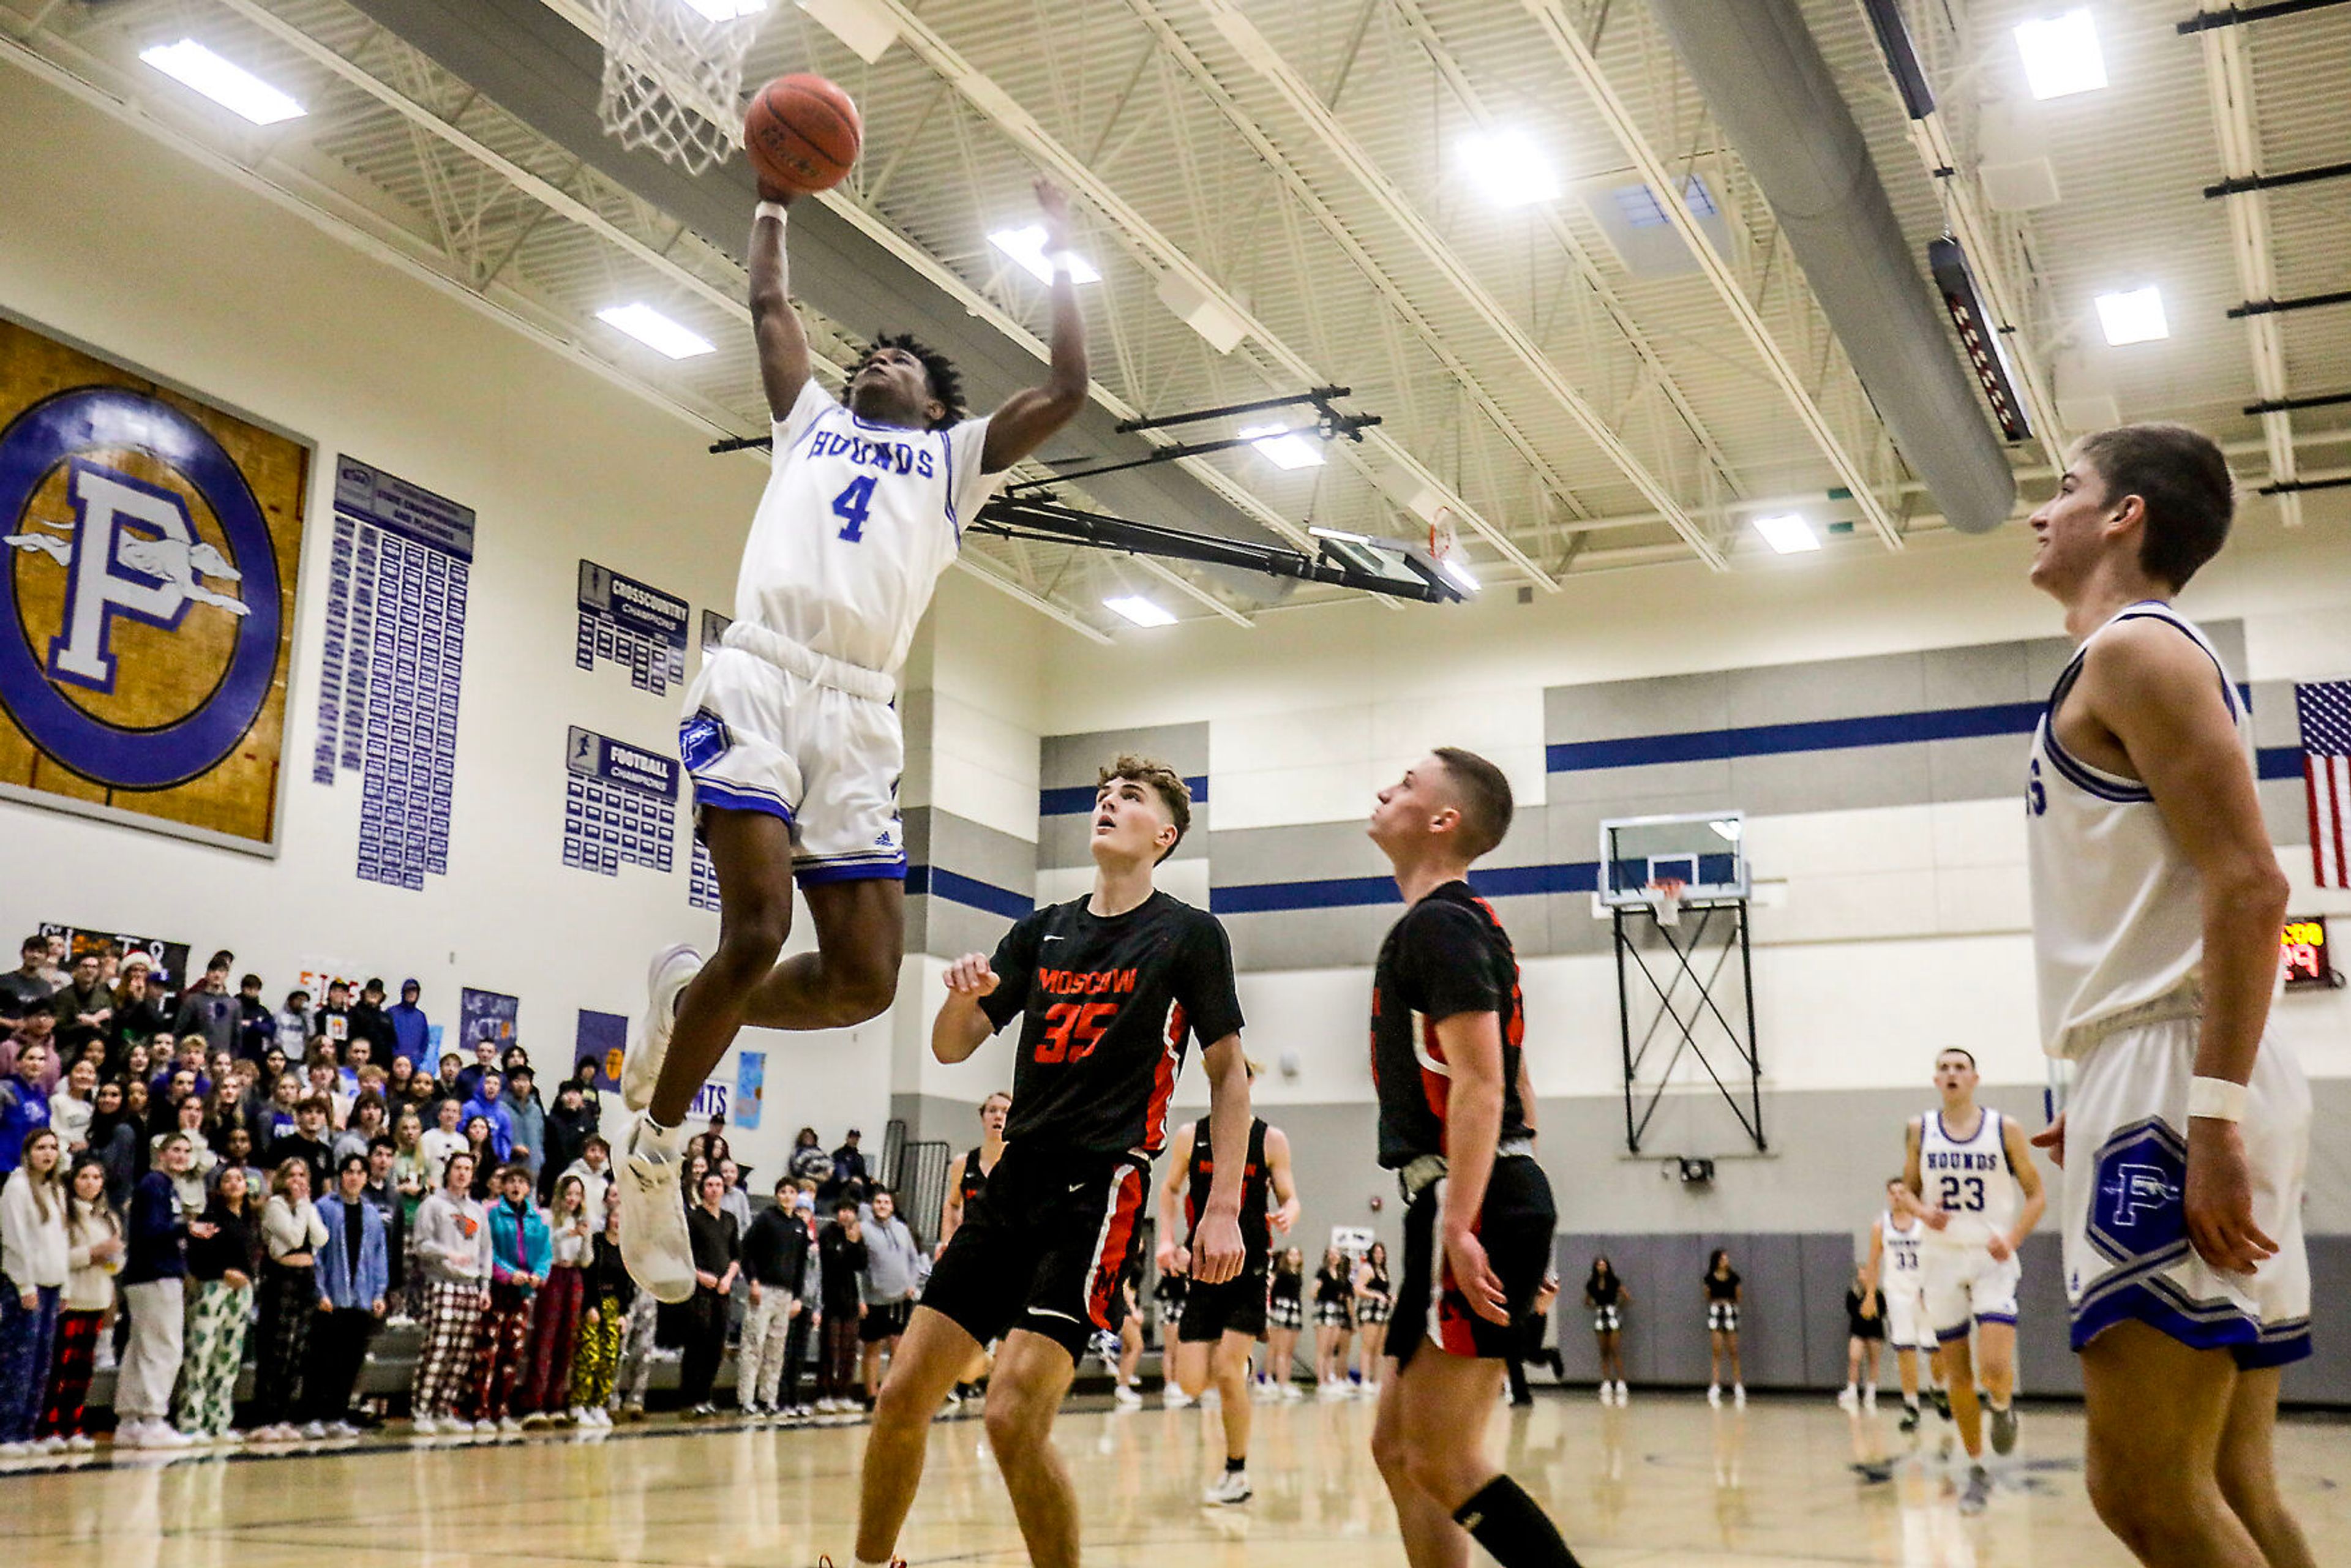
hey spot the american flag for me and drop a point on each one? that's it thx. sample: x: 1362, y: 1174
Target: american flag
x: 2324, y: 708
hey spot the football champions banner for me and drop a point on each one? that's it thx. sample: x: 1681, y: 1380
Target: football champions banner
x: 153, y: 542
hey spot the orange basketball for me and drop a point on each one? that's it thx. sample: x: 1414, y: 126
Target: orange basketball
x: 802, y: 134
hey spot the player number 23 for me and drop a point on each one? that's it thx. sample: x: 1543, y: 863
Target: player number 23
x: 1975, y: 1193
x: 1079, y: 1022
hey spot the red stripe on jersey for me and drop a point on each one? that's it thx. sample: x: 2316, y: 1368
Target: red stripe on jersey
x: 1117, y: 1234
x: 1162, y: 1081
x: 1435, y: 1083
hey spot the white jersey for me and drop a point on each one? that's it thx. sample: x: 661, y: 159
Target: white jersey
x: 1966, y: 1178
x: 1900, y: 1272
x: 857, y: 523
x: 2117, y: 910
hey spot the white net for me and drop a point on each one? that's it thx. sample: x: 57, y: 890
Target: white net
x: 673, y: 75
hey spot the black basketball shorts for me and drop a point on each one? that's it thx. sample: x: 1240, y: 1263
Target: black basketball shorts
x: 1236, y: 1306
x: 1514, y: 1225
x: 1041, y: 1247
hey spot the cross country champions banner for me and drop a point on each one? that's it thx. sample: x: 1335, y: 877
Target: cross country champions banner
x: 151, y: 543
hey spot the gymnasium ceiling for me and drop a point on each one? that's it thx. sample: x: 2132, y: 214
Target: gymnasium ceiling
x: 1577, y: 395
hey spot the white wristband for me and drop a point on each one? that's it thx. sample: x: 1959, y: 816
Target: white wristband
x: 2216, y: 1099
x: 776, y: 210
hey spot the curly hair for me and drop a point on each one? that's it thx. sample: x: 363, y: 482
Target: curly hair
x: 946, y: 380
x: 1161, y: 780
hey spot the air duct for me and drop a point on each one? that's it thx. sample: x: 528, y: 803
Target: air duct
x: 1771, y: 91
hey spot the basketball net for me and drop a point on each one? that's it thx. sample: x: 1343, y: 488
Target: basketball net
x: 1665, y: 900
x: 673, y: 76
x: 1442, y: 539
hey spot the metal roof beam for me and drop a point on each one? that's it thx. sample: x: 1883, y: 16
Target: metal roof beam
x: 2229, y: 86
x: 1552, y: 17
x: 1262, y: 55
x: 1157, y: 250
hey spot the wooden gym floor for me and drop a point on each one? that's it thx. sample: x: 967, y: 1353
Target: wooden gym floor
x: 1785, y: 1482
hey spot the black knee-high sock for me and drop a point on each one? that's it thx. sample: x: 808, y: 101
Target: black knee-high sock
x: 1507, y: 1522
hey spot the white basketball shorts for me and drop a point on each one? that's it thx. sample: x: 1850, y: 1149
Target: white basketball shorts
x: 2126, y: 1250
x: 758, y: 738
x: 1906, y: 1321
x: 1965, y: 1284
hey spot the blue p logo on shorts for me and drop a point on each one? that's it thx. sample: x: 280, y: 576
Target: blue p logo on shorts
x: 703, y: 740
x: 2140, y: 1177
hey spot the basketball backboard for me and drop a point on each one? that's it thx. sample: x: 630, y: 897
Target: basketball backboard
x: 1704, y: 851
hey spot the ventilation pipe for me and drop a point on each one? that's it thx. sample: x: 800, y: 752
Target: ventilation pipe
x: 1771, y: 91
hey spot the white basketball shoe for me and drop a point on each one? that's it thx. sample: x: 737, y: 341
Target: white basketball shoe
x: 668, y: 974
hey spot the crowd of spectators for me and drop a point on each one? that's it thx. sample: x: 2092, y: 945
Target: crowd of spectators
x: 199, y: 1182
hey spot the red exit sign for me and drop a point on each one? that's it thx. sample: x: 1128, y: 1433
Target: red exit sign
x: 2304, y: 955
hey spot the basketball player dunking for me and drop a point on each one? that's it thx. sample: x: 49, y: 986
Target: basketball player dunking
x: 1898, y: 1271
x: 2156, y: 901
x: 789, y: 731
x: 1110, y: 989
x: 1455, y: 1126
x: 1967, y: 1176
x: 1222, y: 1324
x: 965, y: 1178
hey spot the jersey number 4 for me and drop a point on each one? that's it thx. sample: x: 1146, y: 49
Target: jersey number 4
x: 852, y: 504
x: 1072, y: 1029
x: 1975, y: 1194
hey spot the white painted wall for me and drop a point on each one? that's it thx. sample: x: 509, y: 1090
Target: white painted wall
x: 174, y: 270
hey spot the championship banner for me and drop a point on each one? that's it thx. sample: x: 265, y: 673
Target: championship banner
x: 153, y: 543
x: 619, y: 804
x: 603, y: 1038
x: 629, y: 623
x: 388, y: 683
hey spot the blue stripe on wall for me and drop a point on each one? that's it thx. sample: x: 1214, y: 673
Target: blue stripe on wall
x: 939, y: 883
x: 1355, y: 891
x: 1815, y: 734
x: 1774, y: 739
x: 2278, y: 762
x: 1078, y: 798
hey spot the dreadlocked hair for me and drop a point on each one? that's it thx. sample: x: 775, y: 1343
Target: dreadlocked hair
x: 946, y: 380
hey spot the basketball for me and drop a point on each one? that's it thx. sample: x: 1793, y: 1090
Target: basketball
x: 802, y: 134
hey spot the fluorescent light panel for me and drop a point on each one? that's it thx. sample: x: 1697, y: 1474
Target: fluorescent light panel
x: 1789, y: 534
x: 2061, y: 54
x: 1508, y: 168
x: 2134, y: 316
x: 1339, y: 536
x: 1027, y: 246
x: 726, y: 10
x: 655, y: 330
x: 1459, y: 570
x: 1286, y: 447
x: 1139, y: 610
x: 232, y: 87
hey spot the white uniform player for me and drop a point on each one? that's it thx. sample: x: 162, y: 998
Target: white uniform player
x: 1969, y: 1180
x: 1902, y: 1278
x: 2118, y: 928
x: 791, y: 714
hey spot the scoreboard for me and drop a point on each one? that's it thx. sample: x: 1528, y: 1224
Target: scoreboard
x: 2304, y: 954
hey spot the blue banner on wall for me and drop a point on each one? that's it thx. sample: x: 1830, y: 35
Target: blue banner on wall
x: 619, y: 804
x: 631, y: 624
x: 388, y: 683
x: 750, y: 1085
x: 487, y: 1015
x: 603, y: 1037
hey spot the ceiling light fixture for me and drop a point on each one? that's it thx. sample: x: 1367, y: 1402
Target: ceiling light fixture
x: 1508, y: 168
x: 1027, y: 246
x: 1789, y: 534
x: 1285, y: 446
x: 1139, y: 610
x: 1459, y: 570
x: 657, y: 331
x: 232, y: 87
x: 2133, y: 316
x: 2061, y: 54
x: 727, y: 10
x: 1339, y: 536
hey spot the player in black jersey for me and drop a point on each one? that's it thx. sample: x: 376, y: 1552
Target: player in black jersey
x: 1111, y: 988
x: 1222, y: 1324
x: 965, y: 1178
x: 1455, y: 1126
